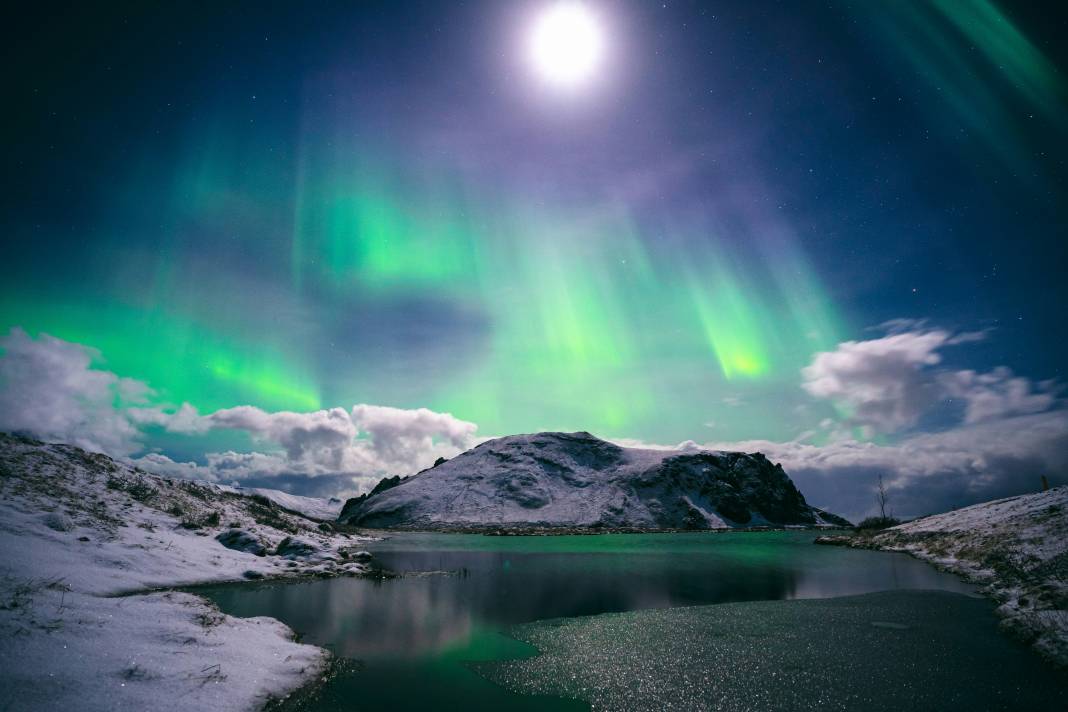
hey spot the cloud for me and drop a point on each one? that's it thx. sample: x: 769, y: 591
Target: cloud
x: 370, y: 439
x: 48, y: 387
x: 889, y: 384
x: 362, y: 446
x: 401, y: 436
x: 884, y: 383
x: 998, y: 394
x: 928, y: 472
x: 320, y: 436
x: 257, y: 469
x: 184, y: 420
x: 162, y: 465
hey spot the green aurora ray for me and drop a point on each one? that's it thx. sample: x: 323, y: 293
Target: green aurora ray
x: 585, y: 322
x: 301, y: 264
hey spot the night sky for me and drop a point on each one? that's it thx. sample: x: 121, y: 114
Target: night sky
x: 836, y: 232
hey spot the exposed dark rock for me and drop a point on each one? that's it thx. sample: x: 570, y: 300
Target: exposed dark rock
x: 58, y: 521
x: 241, y: 540
x: 294, y: 548
x: 383, y: 484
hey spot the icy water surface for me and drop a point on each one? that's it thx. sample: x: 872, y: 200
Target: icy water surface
x: 880, y: 652
x: 419, y: 638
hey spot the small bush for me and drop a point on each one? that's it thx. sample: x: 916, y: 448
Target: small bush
x: 262, y: 500
x: 267, y: 513
x: 274, y: 521
x: 195, y: 489
x: 137, y: 488
x: 141, y: 490
x: 878, y: 523
x: 192, y: 521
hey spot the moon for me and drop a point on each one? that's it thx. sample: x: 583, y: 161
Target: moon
x: 566, y: 44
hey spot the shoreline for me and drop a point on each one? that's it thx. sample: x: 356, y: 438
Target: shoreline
x: 496, y: 530
x: 308, y: 695
x: 96, y: 562
x: 1015, y: 550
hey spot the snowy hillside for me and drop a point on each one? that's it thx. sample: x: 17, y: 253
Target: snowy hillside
x: 321, y: 509
x: 1017, y: 547
x: 76, y: 529
x: 578, y: 480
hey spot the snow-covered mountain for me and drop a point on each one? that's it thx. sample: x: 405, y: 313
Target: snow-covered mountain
x: 578, y: 480
x: 321, y: 509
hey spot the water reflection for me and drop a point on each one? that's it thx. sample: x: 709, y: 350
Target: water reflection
x: 492, y: 584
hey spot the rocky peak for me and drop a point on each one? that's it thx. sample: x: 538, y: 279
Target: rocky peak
x: 578, y: 480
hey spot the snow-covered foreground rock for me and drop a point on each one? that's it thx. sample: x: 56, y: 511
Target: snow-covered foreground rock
x: 556, y: 480
x: 79, y: 529
x: 1017, y: 547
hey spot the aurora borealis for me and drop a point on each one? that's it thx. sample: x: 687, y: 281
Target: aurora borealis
x: 562, y: 312
x: 308, y: 208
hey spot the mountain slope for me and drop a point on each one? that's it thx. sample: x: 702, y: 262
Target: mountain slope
x: 578, y: 480
x: 320, y: 509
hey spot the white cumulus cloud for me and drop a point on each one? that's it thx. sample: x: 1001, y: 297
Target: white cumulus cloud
x: 50, y: 388
x: 888, y: 384
x: 320, y: 436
